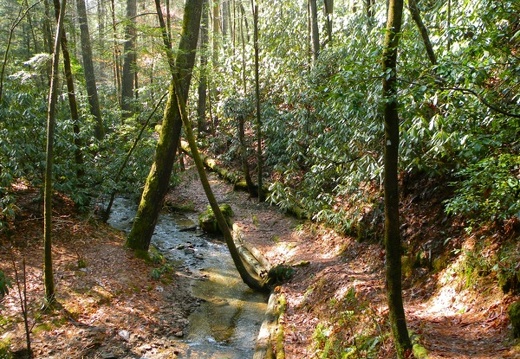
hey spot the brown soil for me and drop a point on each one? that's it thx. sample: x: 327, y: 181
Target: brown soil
x: 108, y: 304
x: 113, y: 308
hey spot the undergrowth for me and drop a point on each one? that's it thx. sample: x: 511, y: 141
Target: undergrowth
x: 352, y: 331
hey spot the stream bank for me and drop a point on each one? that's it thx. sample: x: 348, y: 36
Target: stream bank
x: 112, y: 307
x: 229, y: 314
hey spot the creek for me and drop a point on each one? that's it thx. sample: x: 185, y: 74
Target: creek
x: 227, y: 321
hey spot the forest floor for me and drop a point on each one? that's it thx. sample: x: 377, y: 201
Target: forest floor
x: 110, y: 306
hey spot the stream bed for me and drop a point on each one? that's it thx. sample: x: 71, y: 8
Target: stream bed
x: 226, y: 323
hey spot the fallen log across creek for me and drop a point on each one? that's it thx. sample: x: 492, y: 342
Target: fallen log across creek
x: 269, y: 343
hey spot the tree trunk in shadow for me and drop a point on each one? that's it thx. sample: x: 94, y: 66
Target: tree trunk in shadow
x: 391, y: 184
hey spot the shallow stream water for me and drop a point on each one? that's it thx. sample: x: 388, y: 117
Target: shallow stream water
x: 226, y: 323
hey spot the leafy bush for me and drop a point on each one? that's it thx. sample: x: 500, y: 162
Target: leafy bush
x: 489, y: 190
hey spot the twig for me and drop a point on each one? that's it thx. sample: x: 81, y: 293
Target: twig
x: 22, y: 296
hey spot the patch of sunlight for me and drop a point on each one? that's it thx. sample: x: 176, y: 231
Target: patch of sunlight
x: 450, y: 299
x: 342, y: 292
x: 284, y: 250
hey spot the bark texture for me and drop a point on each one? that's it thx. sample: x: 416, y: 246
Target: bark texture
x: 416, y: 15
x: 129, y: 60
x: 48, y: 273
x: 315, y: 34
x: 71, y: 95
x: 259, y: 136
x: 88, y: 66
x: 203, y: 83
x: 391, y: 188
x: 158, y: 179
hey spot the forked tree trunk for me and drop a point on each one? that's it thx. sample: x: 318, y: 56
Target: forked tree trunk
x: 15, y: 23
x: 391, y: 188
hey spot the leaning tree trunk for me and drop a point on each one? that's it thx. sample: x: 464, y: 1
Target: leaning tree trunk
x: 71, y: 95
x: 391, y: 188
x: 48, y: 274
x: 416, y: 15
x: 253, y: 281
x: 159, y: 177
x: 88, y: 65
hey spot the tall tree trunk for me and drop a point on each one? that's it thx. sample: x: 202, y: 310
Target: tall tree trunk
x: 391, y: 187
x: 48, y: 273
x: 169, y: 20
x: 328, y: 6
x: 369, y: 7
x: 315, y: 34
x: 158, y: 179
x: 225, y: 20
x: 71, y: 95
x: 117, y: 72
x: 88, y: 65
x: 416, y: 15
x: 129, y: 60
x: 259, y: 136
x: 31, y: 31
x: 101, y: 24
x: 46, y: 29
x: 243, y: 21
x: 203, y: 84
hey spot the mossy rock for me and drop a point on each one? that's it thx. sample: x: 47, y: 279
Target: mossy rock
x: 514, y: 317
x: 208, y: 222
x: 280, y: 274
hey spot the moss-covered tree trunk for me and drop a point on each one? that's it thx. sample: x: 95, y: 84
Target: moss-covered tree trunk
x: 391, y: 188
x: 158, y: 179
x: 251, y: 280
x: 71, y: 95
